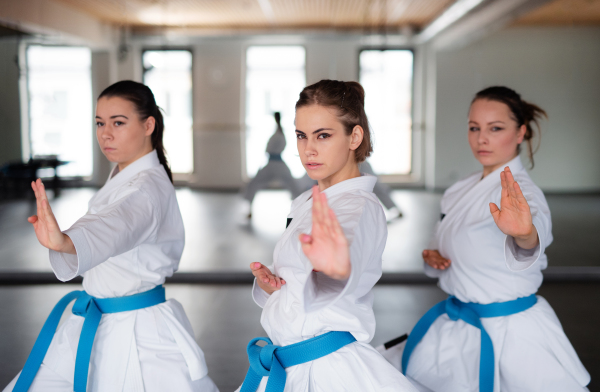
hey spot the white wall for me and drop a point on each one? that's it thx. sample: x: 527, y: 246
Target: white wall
x: 556, y: 68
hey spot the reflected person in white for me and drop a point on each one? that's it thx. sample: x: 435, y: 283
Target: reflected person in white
x: 275, y: 169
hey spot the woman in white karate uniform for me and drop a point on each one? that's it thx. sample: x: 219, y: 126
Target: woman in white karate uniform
x: 129, y: 241
x: 322, y: 281
x: 485, y: 254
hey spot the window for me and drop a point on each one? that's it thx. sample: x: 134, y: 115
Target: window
x: 275, y: 75
x: 386, y: 76
x: 168, y: 73
x: 60, y: 106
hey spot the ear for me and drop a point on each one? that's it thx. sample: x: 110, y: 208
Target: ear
x: 356, y: 137
x: 149, y: 125
x: 521, y: 133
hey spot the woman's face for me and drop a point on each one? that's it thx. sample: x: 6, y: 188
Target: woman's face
x: 326, y: 151
x: 493, y: 133
x: 122, y: 135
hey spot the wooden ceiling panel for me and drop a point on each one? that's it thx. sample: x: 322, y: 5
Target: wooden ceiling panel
x: 564, y: 12
x: 264, y: 13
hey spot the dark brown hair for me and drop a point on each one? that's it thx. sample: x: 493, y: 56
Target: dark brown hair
x: 142, y: 98
x: 524, y: 113
x: 348, y: 100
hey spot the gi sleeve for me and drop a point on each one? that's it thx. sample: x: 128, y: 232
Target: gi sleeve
x: 118, y: 228
x: 365, y: 228
x: 518, y: 259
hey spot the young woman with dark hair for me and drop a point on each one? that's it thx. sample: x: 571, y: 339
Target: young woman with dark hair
x: 124, y: 335
x: 317, y: 296
x: 493, y: 333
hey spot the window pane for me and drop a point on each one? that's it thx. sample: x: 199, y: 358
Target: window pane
x: 60, y: 106
x: 386, y: 76
x: 169, y: 76
x: 275, y: 76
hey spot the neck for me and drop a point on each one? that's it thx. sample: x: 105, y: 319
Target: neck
x: 490, y: 169
x: 349, y: 171
x: 147, y: 149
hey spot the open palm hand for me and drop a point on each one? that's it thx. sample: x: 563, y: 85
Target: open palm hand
x: 45, y: 225
x: 327, y: 247
x: 513, y: 217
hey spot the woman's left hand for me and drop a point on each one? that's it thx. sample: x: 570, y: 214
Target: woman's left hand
x: 327, y: 247
x: 513, y: 217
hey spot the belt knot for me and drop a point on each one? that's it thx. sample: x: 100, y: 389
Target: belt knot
x: 453, y: 308
x: 82, y: 304
x: 262, y: 358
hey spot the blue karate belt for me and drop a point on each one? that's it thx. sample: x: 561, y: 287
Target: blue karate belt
x: 271, y: 361
x: 91, y: 309
x: 275, y: 157
x: 470, y: 313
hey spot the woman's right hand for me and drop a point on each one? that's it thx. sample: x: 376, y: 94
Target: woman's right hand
x: 265, y: 278
x: 45, y: 225
x: 435, y: 260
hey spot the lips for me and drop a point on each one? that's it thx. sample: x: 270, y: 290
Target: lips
x: 313, y: 165
x: 483, y: 152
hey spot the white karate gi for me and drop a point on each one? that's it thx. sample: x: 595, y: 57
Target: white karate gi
x: 531, y: 350
x: 310, y: 303
x: 130, y: 240
x: 274, y: 170
x: 381, y: 190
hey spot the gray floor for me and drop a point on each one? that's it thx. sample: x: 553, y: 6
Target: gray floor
x: 220, y: 238
x: 225, y: 319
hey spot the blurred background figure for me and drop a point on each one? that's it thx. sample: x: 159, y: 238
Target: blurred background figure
x: 383, y: 192
x: 275, y: 171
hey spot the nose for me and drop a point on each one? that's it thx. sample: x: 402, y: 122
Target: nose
x: 310, y: 149
x: 483, y: 137
x: 106, y: 132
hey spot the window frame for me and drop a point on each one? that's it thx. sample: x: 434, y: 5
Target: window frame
x: 243, y: 94
x: 414, y: 177
x: 24, y: 88
x: 178, y: 178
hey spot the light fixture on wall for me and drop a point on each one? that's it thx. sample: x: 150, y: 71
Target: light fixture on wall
x: 123, y: 48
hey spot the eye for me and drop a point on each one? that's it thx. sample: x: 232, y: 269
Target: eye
x: 496, y: 129
x: 300, y: 136
x: 119, y: 123
x: 323, y: 136
x: 99, y: 124
x: 473, y: 129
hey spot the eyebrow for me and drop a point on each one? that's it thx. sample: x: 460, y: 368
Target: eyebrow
x: 115, y: 116
x: 318, y: 130
x: 491, y: 122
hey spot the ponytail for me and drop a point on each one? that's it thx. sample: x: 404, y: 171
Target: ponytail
x: 142, y: 98
x: 157, y: 141
x: 523, y: 112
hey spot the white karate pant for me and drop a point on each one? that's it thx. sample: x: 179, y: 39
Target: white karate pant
x: 274, y: 170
